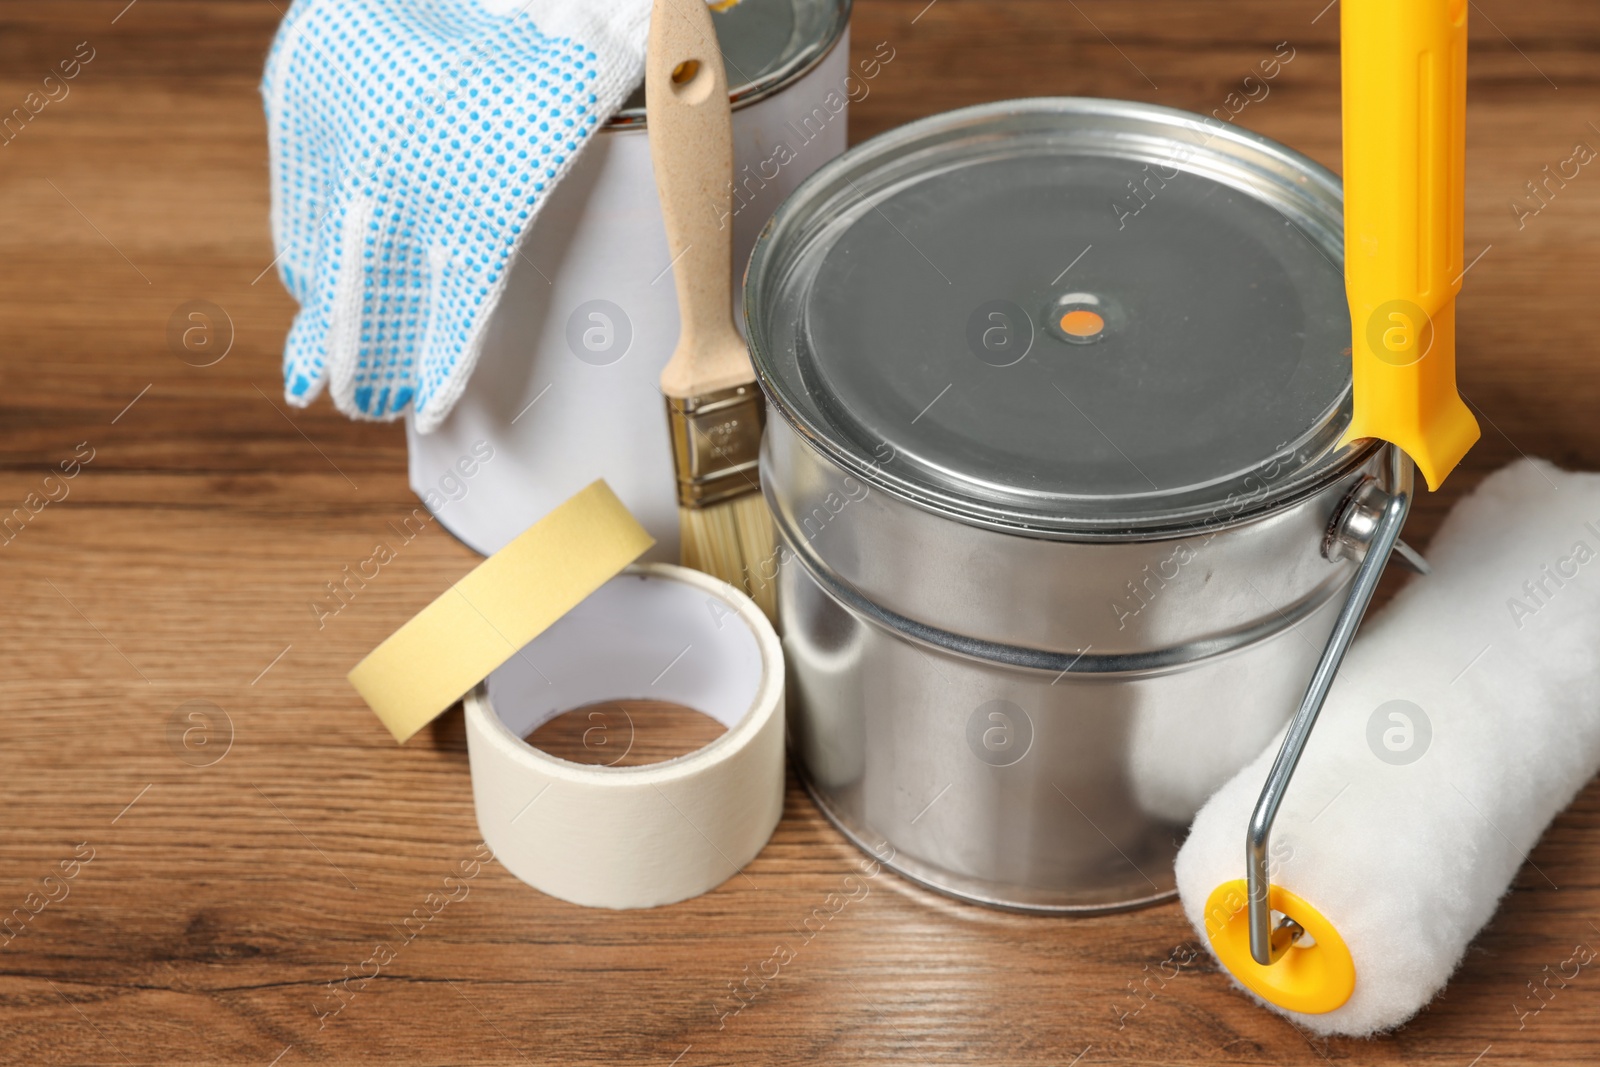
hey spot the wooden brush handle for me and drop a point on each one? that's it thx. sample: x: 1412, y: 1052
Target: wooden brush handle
x: 691, y: 146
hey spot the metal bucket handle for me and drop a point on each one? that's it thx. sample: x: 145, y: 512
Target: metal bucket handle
x: 1378, y: 528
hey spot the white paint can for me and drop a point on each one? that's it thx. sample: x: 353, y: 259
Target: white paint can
x: 567, y: 388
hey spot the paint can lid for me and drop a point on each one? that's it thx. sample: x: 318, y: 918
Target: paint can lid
x: 1073, y: 316
x: 766, y: 46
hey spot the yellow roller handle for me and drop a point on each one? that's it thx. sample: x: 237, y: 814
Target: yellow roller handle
x: 1404, y: 67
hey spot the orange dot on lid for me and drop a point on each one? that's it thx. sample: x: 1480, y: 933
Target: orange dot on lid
x: 1082, y: 323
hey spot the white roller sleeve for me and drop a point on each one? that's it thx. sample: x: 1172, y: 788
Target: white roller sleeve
x: 634, y: 837
x: 1500, y: 650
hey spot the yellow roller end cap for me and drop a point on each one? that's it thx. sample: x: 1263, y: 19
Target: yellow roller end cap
x: 1314, y: 978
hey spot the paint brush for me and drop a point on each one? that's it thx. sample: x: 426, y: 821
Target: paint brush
x: 714, y: 406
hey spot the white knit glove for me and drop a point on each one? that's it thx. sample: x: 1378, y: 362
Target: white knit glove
x: 413, y: 142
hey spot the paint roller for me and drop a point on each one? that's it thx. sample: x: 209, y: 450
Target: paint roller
x: 1365, y: 882
x: 1463, y: 721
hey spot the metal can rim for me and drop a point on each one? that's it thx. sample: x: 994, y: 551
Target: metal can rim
x: 775, y: 81
x: 1084, y: 663
x: 895, y: 145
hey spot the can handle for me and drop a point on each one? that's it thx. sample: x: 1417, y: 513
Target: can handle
x: 1267, y: 946
x: 1404, y: 86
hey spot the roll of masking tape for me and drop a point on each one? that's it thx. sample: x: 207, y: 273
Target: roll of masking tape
x: 506, y: 601
x: 640, y: 836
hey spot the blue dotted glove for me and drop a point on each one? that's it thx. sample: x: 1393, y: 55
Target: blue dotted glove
x: 413, y: 142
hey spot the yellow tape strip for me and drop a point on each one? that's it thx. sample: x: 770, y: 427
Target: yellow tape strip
x: 506, y: 601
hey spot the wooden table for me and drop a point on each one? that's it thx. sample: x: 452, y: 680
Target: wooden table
x: 231, y: 889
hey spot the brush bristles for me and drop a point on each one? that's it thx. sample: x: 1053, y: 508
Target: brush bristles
x: 734, y: 541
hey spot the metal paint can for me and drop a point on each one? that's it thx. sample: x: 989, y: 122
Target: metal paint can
x: 1056, y: 393
x: 567, y: 388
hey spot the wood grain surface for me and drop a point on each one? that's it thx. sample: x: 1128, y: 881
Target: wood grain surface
x: 221, y: 834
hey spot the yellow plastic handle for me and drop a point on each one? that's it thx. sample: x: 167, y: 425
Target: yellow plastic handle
x: 1404, y: 65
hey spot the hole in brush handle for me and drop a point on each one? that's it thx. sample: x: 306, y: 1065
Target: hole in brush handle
x: 692, y: 81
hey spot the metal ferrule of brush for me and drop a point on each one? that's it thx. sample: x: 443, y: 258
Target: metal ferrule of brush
x: 716, y: 439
